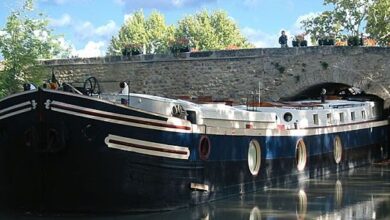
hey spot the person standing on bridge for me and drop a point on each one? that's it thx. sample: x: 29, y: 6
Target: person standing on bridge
x: 283, y: 40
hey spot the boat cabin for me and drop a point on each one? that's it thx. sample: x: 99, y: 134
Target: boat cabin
x: 281, y: 115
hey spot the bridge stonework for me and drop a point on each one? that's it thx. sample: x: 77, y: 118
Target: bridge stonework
x: 278, y: 72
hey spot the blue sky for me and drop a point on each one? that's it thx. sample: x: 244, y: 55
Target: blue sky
x: 87, y: 25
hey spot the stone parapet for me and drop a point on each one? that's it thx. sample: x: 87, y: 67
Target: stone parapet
x: 234, y: 74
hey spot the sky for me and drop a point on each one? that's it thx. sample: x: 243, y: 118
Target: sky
x: 88, y: 25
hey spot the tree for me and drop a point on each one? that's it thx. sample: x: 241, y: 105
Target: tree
x: 204, y: 31
x: 211, y: 31
x: 350, y: 13
x: 322, y: 26
x: 378, y: 22
x: 149, y: 34
x: 158, y: 33
x: 24, y: 40
x: 347, y: 17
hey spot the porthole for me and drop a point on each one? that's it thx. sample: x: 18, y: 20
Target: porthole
x: 337, y: 149
x: 254, y: 157
x: 287, y: 117
x: 300, y: 155
x: 204, y: 148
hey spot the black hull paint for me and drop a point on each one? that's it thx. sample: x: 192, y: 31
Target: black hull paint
x: 59, y: 162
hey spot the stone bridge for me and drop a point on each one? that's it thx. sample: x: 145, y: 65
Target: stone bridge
x: 233, y: 74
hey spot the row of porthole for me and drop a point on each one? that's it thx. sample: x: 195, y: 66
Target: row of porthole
x: 301, y: 155
x: 254, y: 153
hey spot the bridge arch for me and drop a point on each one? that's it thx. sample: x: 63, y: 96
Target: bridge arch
x: 314, y: 91
x: 309, y: 85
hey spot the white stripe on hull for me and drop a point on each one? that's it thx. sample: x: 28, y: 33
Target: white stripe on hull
x: 15, y: 106
x: 18, y: 94
x: 20, y: 111
x: 15, y: 113
x: 118, y: 121
x: 147, y: 147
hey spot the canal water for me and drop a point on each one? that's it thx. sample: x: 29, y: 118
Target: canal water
x: 360, y: 193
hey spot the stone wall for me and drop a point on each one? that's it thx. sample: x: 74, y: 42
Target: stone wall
x: 235, y: 73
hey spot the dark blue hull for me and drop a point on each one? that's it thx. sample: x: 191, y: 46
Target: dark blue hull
x: 55, y: 157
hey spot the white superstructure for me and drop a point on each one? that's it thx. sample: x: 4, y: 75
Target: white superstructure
x: 285, y: 115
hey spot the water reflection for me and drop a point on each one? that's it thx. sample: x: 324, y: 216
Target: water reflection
x: 362, y: 193
x: 255, y: 214
x: 302, y: 204
x: 338, y: 194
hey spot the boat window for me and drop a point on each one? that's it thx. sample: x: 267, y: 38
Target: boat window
x: 329, y: 118
x: 254, y: 157
x: 287, y: 117
x: 337, y: 149
x: 191, y: 116
x: 352, y: 116
x: 341, y: 117
x: 363, y: 114
x: 315, y: 119
x: 373, y: 110
x: 300, y: 155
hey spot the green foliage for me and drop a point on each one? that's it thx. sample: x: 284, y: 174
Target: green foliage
x: 24, y: 40
x: 279, y: 67
x: 346, y: 18
x: 350, y: 13
x: 353, y: 41
x: 159, y: 33
x: 202, y: 31
x: 211, y: 31
x: 324, y: 65
x: 150, y: 34
x: 323, y: 26
x: 378, y: 22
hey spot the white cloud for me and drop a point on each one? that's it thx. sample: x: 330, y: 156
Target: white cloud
x: 260, y: 38
x: 131, y: 5
x: 91, y: 49
x: 127, y: 17
x: 65, y: 20
x: 107, y: 29
x: 298, y: 26
x: 98, y: 38
x: 88, y: 30
x: 66, y: 48
x: 41, y: 35
x: 64, y: 44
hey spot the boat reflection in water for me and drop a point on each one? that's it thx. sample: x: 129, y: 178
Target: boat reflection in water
x: 361, y: 193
